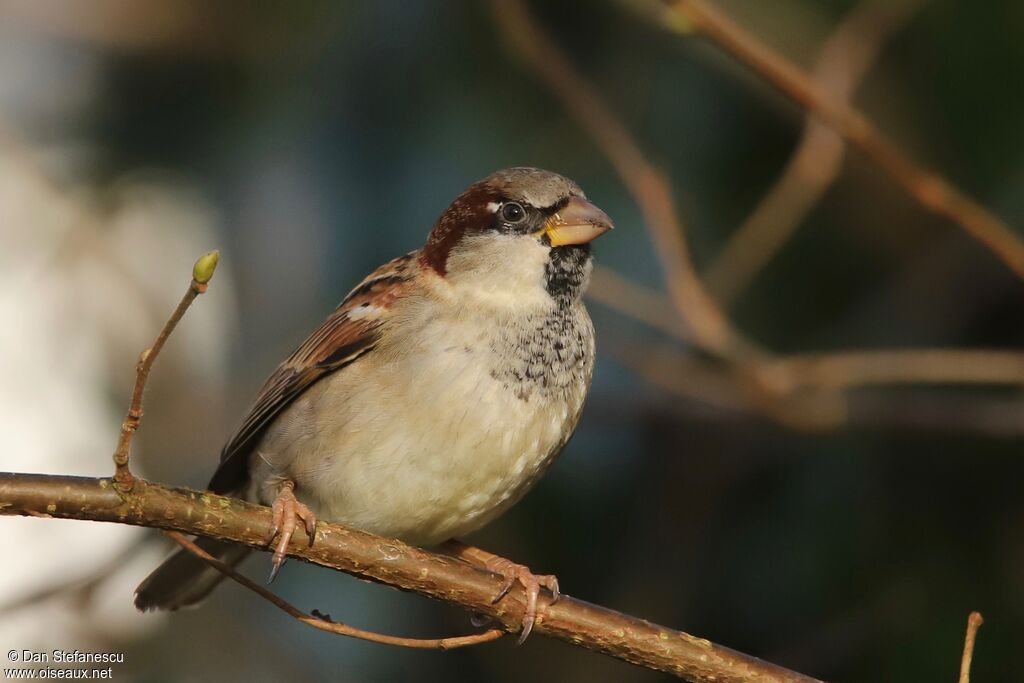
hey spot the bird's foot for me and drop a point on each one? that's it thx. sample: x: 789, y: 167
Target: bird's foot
x: 287, y: 511
x: 531, y: 583
x: 513, y: 573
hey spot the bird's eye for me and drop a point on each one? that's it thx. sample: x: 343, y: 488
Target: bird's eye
x: 512, y: 212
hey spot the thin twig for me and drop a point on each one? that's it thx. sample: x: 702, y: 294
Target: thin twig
x: 932, y: 191
x: 974, y: 621
x: 393, y: 563
x: 323, y: 622
x: 202, y: 271
x: 649, y: 187
x: 845, y: 59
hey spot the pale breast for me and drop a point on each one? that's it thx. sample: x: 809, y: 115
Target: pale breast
x: 436, y: 440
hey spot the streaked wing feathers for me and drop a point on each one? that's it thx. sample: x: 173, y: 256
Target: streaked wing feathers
x: 349, y: 332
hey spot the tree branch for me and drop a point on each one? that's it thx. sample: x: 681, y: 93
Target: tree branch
x: 929, y: 189
x: 850, y: 368
x: 843, y: 62
x: 322, y: 621
x: 392, y: 563
x: 710, y: 327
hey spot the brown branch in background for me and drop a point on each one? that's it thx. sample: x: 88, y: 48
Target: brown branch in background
x: 733, y: 388
x: 843, y: 369
x: 649, y: 187
x: 640, y: 303
x: 844, y: 61
x: 323, y: 622
x: 811, y: 391
x: 995, y: 417
x: 930, y: 190
x: 803, y: 392
x: 390, y: 562
x: 202, y: 271
x: 974, y: 621
x: 776, y: 386
x: 781, y: 375
x: 685, y: 375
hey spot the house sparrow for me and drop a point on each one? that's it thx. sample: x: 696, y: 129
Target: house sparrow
x: 436, y: 394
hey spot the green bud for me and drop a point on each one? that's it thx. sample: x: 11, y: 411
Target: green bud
x: 676, y: 20
x: 202, y: 271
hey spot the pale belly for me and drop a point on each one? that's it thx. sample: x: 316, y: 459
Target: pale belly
x: 416, y: 451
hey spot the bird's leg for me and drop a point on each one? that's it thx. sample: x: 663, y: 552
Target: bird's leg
x: 287, y: 511
x: 513, y: 573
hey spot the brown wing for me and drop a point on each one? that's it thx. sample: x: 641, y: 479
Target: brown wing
x: 339, y: 341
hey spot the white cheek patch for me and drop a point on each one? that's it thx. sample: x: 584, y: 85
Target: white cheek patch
x: 366, y: 312
x: 500, y: 270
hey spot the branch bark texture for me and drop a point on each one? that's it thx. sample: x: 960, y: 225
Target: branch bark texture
x: 389, y: 562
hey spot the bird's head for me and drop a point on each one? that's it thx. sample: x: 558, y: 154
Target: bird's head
x: 521, y: 233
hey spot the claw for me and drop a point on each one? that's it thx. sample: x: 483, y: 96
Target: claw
x: 531, y: 583
x: 275, y: 567
x: 513, y: 573
x: 310, y: 522
x: 287, y: 510
x: 552, y: 585
x: 505, y: 590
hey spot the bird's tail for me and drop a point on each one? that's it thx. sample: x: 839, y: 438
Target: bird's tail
x: 184, y: 579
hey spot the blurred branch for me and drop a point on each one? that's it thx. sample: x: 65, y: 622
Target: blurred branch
x: 845, y: 59
x: 930, y: 190
x: 974, y: 622
x: 649, y: 187
x: 681, y: 373
x: 928, y: 411
x: 389, y: 562
x: 843, y: 369
x: 732, y: 388
x: 191, y: 27
x: 813, y: 390
x: 323, y: 622
x: 803, y: 391
x: 641, y: 303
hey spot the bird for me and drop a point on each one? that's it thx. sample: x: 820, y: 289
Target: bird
x: 432, y: 398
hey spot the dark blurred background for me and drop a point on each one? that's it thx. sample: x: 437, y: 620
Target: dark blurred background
x: 311, y: 141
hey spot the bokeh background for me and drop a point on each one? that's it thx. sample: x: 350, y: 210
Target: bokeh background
x: 311, y: 141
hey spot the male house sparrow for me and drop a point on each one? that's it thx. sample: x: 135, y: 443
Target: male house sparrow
x: 434, y: 396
